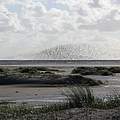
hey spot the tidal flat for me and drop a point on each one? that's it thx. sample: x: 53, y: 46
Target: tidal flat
x: 47, y: 84
x: 55, y: 88
x: 39, y: 84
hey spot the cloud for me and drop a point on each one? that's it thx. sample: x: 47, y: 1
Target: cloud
x: 90, y: 11
x: 8, y: 21
x: 40, y: 24
x: 109, y: 23
x: 35, y: 16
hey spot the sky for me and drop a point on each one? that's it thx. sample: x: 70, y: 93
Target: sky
x: 29, y: 26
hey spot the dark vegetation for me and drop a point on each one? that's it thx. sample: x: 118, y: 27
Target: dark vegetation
x: 96, y: 70
x: 114, y: 69
x: 42, y: 76
x: 35, y: 70
x: 78, y: 79
x: 1, y: 70
x: 48, y: 80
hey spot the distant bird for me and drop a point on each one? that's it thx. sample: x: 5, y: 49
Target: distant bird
x: 17, y: 91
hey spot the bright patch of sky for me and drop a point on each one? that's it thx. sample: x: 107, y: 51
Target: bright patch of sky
x: 52, y: 4
x: 14, y: 8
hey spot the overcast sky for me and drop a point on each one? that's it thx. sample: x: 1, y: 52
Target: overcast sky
x: 28, y: 26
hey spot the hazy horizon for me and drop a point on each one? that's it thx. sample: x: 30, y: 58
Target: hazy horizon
x: 28, y: 27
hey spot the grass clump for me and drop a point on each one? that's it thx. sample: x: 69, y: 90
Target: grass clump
x: 83, y: 70
x: 83, y: 97
x: 84, y: 81
x: 79, y: 97
x: 35, y: 70
x: 92, y: 71
x: 114, y: 69
x: 29, y: 70
x: 1, y: 70
x: 4, y: 70
x: 105, y: 72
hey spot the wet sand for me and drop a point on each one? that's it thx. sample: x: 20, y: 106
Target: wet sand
x: 31, y: 94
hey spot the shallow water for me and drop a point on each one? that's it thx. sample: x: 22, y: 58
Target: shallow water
x: 60, y: 62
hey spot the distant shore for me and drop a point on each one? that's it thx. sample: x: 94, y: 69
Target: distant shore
x: 60, y: 63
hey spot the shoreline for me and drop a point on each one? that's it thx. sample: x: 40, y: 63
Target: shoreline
x: 60, y: 63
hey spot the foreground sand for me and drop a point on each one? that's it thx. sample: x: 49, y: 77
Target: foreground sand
x: 30, y: 94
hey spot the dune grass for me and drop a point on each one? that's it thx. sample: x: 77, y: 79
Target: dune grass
x: 79, y: 96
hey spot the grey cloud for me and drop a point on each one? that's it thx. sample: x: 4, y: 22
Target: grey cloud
x: 95, y: 4
x: 38, y: 11
x: 108, y: 26
x: 5, y: 28
x: 116, y: 1
x: 68, y: 26
x: 108, y: 23
x: 82, y: 12
x: 4, y: 23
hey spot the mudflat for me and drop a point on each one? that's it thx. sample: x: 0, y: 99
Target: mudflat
x: 37, y: 92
